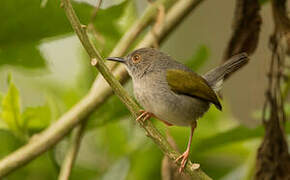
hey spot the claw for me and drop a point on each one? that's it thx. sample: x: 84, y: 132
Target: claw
x: 141, y: 116
x: 144, y: 116
x: 151, y: 115
x: 184, y: 158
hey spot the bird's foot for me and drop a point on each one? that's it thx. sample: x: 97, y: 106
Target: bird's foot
x: 147, y: 115
x: 144, y: 116
x: 184, y: 158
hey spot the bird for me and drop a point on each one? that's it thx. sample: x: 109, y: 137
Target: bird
x: 173, y: 93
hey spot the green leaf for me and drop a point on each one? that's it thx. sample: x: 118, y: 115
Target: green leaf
x: 234, y: 135
x: 107, y: 19
x: 25, y: 23
x: 108, y: 26
x: 3, y: 126
x: 199, y: 58
x: 31, y: 22
x: 2, y: 123
x: 11, y: 110
x: 263, y: 2
x: 40, y: 168
x: 25, y: 54
x: 1, y: 97
x: 9, y: 143
x: 37, y: 118
x: 287, y: 109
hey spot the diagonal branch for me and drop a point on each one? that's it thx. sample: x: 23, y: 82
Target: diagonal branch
x: 71, y: 155
x: 98, y: 94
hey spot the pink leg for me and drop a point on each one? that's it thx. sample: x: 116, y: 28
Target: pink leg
x: 166, y: 123
x: 185, y: 155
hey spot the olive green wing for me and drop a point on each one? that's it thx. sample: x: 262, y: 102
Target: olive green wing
x: 191, y: 84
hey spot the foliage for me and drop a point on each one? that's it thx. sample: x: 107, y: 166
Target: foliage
x: 198, y: 59
x: 262, y: 2
x: 31, y: 22
x: 113, y: 146
x: 10, y: 112
x: 21, y: 123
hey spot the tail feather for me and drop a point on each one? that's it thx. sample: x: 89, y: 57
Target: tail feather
x: 216, y: 76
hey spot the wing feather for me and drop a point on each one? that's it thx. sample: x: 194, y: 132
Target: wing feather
x: 191, y: 84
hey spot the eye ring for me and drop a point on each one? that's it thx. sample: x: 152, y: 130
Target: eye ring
x: 136, y: 58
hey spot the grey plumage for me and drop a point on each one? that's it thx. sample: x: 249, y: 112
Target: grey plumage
x: 171, y: 91
x: 153, y: 93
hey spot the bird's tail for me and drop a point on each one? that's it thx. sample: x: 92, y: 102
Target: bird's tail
x: 216, y: 76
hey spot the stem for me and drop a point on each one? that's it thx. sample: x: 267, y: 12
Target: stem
x: 72, y: 152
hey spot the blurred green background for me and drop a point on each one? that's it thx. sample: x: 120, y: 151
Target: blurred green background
x: 44, y: 71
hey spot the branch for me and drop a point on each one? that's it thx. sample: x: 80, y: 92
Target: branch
x: 72, y: 152
x: 96, y: 97
x: 246, y: 27
x: 169, y: 170
x: 280, y: 15
x: 91, y: 27
x: 282, y: 22
x: 273, y: 158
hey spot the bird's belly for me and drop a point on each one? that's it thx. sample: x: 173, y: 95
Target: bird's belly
x: 181, y: 113
x: 175, y: 109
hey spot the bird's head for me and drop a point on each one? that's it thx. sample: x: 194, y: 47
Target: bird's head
x: 141, y: 61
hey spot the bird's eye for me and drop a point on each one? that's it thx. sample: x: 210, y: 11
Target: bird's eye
x: 136, y: 58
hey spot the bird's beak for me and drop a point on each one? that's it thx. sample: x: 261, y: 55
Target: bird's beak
x: 118, y: 59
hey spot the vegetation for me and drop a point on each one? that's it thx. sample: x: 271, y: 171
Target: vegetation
x: 60, y: 119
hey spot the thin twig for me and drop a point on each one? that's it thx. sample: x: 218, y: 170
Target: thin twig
x: 72, y: 152
x: 98, y: 94
x: 94, y: 14
x: 91, y: 28
x: 159, y: 20
x: 246, y: 28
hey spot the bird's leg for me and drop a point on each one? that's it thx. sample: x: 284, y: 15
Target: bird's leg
x: 144, y: 116
x: 147, y: 115
x: 165, y: 122
x: 185, y: 155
